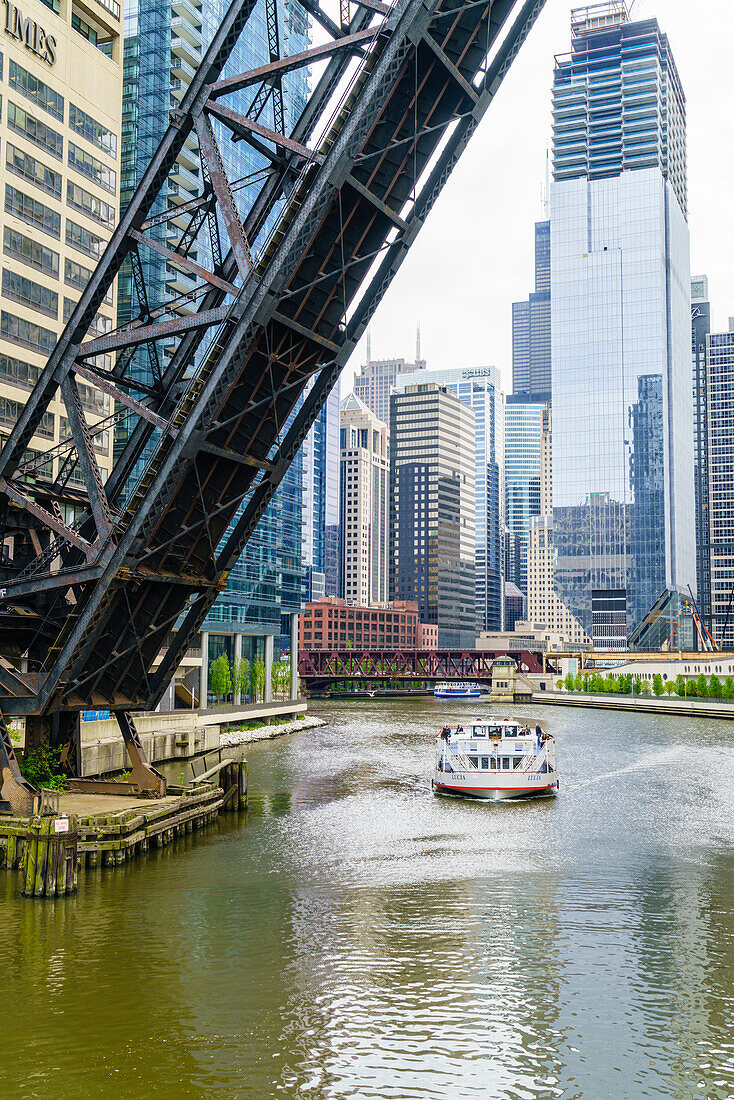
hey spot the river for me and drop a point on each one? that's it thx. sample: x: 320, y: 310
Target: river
x: 358, y: 937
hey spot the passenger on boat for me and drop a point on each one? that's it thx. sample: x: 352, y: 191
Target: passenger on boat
x: 445, y: 733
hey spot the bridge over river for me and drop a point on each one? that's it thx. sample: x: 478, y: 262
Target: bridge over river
x: 322, y: 668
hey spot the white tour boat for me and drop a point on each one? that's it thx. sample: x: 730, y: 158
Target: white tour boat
x: 455, y: 690
x: 496, y: 758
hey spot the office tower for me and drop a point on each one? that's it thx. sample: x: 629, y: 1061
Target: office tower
x: 531, y: 327
x: 432, y: 545
x: 164, y: 43
x: 623, y: 435
x: 720, y: 400
x: 320, y: 453
x: 543, y: 605
x: 480, y: 388
x: 60, y: 148
x: 700, y: 328
x: 376, y: 379
x: 364, y: 521
x: 523, y: 422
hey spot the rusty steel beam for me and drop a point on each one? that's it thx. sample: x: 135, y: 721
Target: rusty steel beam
x: 184, y: 261
x: 159, y: 330
x: 239, y: 123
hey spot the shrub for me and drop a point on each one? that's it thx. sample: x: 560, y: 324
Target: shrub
x: 644, y: 687
x: 637, y: 687
x: 559, y: 684
x: 680, y: 686
x: 702, y: 686
x: 42, y: 768
x: 569, y: 682
x: 220, y: 679
x: 657, y: 684
x: 715, y: 688
x: 728, y: 691
x: 578, y: 682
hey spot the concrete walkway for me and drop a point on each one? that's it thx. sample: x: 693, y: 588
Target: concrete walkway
x: 641, y: 704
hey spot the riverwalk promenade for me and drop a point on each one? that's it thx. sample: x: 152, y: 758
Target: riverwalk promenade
x: 640, y: 704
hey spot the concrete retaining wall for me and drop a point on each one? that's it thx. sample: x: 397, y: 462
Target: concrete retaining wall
x: 642, y: 704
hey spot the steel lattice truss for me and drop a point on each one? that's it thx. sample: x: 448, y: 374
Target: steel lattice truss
x: 89, y: 604
x: 317, y: 668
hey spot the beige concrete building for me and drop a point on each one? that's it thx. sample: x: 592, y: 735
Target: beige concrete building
x: 61, y: 75
x: 364, y: 504
x: 545, y: 611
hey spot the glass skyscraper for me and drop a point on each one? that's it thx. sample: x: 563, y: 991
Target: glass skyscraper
x: 700, y: 328
x: 164, y: 43
x: 480, y: 388
x: 523, y: 430
x: 623, y: 434
x: 720, y: 393
x: 320, y: 453
x: 531, y: 327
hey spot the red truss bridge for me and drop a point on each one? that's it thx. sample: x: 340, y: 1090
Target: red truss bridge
x: 320, y: 668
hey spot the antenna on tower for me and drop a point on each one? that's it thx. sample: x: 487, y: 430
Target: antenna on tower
x: 369, y: 346
x: 417, y: 343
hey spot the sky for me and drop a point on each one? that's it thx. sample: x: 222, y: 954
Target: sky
x: 474, y: 255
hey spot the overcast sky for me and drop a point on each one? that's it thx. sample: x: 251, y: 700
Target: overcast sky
x: 474, y: 256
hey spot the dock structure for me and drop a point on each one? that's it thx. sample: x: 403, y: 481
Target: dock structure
x: 85, y: 831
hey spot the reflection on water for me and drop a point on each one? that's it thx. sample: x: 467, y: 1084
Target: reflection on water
x: 357, y: 937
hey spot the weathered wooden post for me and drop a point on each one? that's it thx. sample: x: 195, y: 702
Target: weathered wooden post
x: 242, y: 785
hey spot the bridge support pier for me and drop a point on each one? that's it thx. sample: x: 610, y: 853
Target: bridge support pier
x: 146, y: 778
x: 15, y: 791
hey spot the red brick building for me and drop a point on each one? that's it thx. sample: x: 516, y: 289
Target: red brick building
x: 333, y: 624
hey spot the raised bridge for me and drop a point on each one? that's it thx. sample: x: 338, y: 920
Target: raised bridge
x: 296, y: 273
x: 321, y: 668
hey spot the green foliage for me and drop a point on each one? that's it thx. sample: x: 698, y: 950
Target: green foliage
x: 241, y: 677
x: 578, y: 682
x: 41, y: 767
x: 658, y: 686
x: 715, y: 688
x: 569, y: 682
x: 587, y: 682
x: 680, y: 685
x: 644, y: 687
x: 702, y: 686
x: 597, y: 682
x: 728, y: 689
x: 637, y: 687
x: 610, y: 685
x: 670, y: 687
x: 220, y: 678
x: 559, y: 684
x: 258, y: 677
x: 691, y: 689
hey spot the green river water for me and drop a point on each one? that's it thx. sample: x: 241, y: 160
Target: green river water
x: 355, y: 936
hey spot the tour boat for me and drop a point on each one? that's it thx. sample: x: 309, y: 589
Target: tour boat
x: 495, y: 758
x: 457, y: 691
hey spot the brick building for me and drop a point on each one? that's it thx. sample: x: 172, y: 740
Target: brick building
x: 334, y: 624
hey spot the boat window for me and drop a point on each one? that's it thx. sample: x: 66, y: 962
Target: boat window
x: 518, y: 761
x: 485, y: 762
x: 493, y: 764
x: 495, y: 731
x: 506, y: 763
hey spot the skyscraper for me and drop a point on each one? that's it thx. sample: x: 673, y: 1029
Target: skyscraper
x: 432, y: 544
x: 480, y: 388
x: 364, y: 504
x: 376, y: 379
x: 531, y: 327
x: 320, y: 453
x: 623, y: 455
x: 700, y: 328
x: 720, y: 393
x: 523, y: 423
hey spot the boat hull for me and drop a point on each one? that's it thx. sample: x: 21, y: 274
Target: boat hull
x: 540, y: 785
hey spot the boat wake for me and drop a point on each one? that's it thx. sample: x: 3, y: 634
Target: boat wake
x: 651, y: 760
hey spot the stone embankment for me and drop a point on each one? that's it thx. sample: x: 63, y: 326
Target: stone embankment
x: 264, y: 733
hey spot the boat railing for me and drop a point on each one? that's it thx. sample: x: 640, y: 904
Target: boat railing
x: 455, y: 755
x: 533, y: 762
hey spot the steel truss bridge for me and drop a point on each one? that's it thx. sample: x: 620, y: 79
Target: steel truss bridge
x: 296, y: 273
x: 320, y: 668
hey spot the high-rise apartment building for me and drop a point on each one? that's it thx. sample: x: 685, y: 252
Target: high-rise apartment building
x: 531, y: 327
x: 720, y: 401
x: 432, y: 509
x: 620, y: 324
x: 376, y: 379
x: 523, y: 423
x: 320, y: 452
x: 543, y: 604
x: 164, y: 43
x: 364, y: 521
x: 480, y: 388
x: 700, y: 328
x: 60, y: 159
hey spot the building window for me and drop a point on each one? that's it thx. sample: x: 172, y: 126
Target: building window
x: 34, y: 253
x: 99, y: 38
x: 34, y: 89
x: 92, y: 168
x: 78, y: 276
x: 31, y: 211
x: 87, y: 127
x: 28, y: 168
x: 26, y: 333
x: 80, y: 238
x: 32, y: 128
x: 17, y: 372
x: 10, y: 410
x: 90, y: 205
